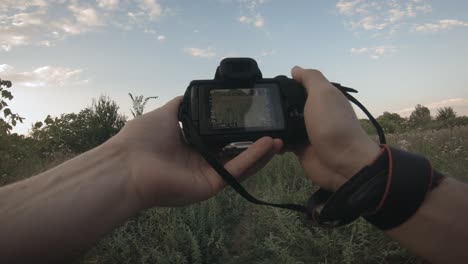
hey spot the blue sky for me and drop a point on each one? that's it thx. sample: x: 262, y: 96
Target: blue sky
x: 62, y: 53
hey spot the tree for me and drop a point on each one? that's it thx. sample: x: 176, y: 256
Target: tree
x: 420, y: 117
x: 391, y: 122
x: 367, y: 126
x: 80, y: 132
x: 445, y: 114
x: 139, y: 103
x: 9, y: 119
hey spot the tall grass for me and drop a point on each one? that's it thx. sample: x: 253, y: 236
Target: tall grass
x: 227, y: 229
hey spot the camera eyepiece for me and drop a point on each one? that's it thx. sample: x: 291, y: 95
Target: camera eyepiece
x: 235, y: 72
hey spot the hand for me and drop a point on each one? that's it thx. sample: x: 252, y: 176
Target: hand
x: 166, y: 171
x: 338, y: 147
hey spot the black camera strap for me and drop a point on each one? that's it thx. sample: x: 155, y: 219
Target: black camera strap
x: 320, y: 196
x: 227, y: 177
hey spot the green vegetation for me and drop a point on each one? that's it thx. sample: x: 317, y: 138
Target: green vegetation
x: 138, y: 103
x: 227, y: 229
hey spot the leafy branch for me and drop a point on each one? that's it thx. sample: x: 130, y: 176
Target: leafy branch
x: 9, y: 119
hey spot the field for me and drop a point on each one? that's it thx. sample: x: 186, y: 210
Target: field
x: 227, y: 229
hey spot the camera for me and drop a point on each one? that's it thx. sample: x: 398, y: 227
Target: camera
x: 239, y: 106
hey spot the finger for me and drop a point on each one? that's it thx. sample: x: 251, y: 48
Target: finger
x: 250, y: 157
x: 277, y: 148
x: 309, y: 78
x: 258, y: 165
x: 278, y: 145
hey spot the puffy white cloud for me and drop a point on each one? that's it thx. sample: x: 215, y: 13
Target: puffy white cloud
x: 7, y: 41
x: 200, y: 52
x: 86, y: 16
x: 374, y: 52
x: 381, y: 16
x: 441, y: 25
x: 26, y: 19
x: 44, y: 76
x: 44, y: 23
x: 161, y: 38
x: 21, y: 5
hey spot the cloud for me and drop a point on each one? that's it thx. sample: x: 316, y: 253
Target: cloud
x: 252, y: 16
x: 44, y: 23
x: 369, y: 23
x: 244, y: 19
x: 453, y: 102
x: 258, y: 21
x: 25, y: 19
x: 151, y: 8
x: 375, y: 52
x: 160, y: 38
x: 86, y: 16
x: 108, y: 4
x: 252, y: 5
x: 8, y: 41
x: 45, y: 76
x: 441, y: 25
x: 383, y: 17
x: 266, y: 53
x: 198, y: 52
x: 347, y: 7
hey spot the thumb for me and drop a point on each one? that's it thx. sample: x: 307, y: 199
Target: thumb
x: 250, y: 157
x: 173, y: 105
x: 310, y: 79
x: 248, y: 161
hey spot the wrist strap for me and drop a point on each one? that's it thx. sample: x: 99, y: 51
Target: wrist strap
x: 409, y: 180
x: 386, y: 193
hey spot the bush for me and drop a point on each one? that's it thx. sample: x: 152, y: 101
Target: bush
x: 77, y: 133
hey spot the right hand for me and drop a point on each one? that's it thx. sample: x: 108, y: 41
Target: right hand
x: 339, y: 147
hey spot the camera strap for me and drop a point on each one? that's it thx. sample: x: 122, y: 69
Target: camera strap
x: 319, y: 197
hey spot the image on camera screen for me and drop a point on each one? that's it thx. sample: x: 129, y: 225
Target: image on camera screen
x: 257, y: 108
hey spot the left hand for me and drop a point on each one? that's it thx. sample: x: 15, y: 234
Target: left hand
x: 165, y: 171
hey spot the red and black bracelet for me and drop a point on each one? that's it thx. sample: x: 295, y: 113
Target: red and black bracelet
x: 386, y: 193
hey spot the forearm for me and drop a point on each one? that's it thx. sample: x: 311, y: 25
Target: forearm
x: 61, y: 212
x: 438, y: 231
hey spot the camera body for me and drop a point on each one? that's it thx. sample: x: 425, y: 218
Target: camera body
x: 239, y: 106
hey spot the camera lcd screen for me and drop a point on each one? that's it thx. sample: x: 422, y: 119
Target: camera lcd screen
x: 250, y: 109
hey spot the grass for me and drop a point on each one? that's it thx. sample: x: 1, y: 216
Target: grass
x: 227, y: 229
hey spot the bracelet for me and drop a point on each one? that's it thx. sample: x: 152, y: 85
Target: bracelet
x: 386, y: 193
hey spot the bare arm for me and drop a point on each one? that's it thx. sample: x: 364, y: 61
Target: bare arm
x: 60, y: 213
x: 438, y: 231
x: 339, y: 148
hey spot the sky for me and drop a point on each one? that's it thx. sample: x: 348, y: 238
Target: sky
x: 60, y: 54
